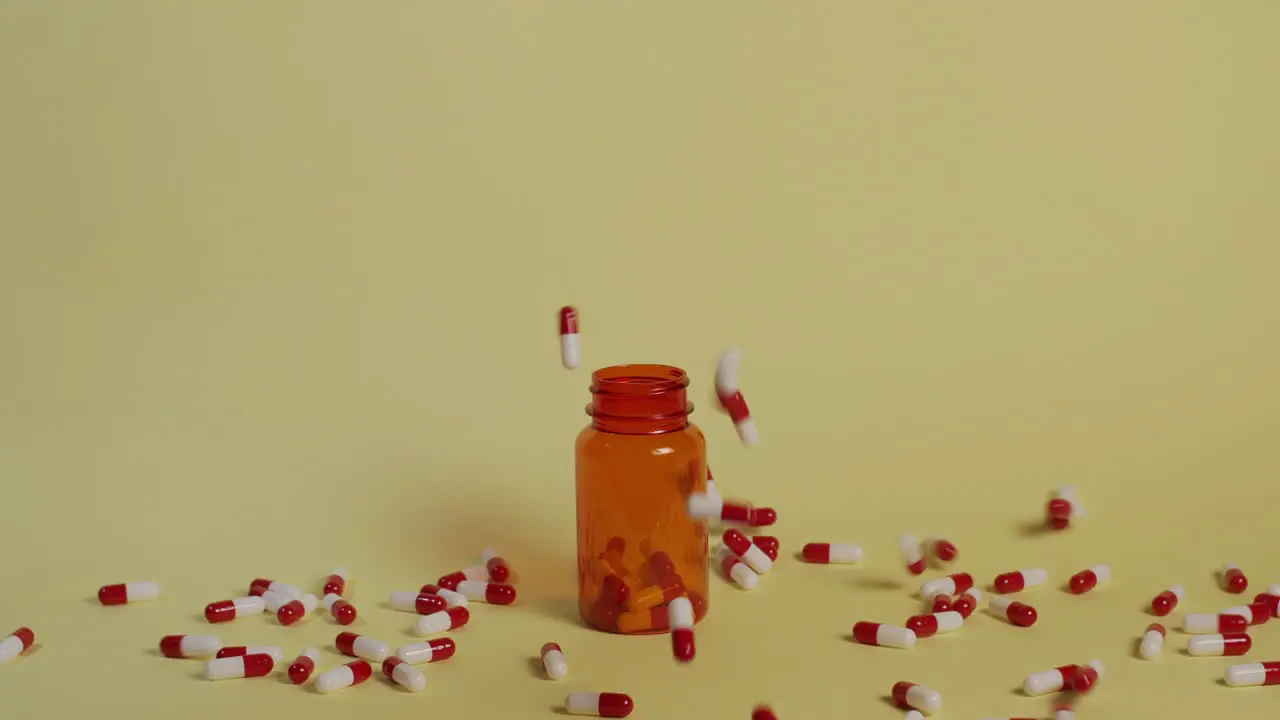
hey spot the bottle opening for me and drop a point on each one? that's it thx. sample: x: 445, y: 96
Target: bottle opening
x: 639, y: 399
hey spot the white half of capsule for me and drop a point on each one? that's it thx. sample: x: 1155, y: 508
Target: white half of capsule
x: 1151, y: 646
x: 1178, y: 592
x: 409, y: 677
x: 1243, y: 611
x: 555, y: 664
x: 974, y: 593
x: 416, y: 653
x: 309, y: 602
x: 755, y: 559
x: 948, y: 621
x: 570, y: 351
x: 370, y: 649
x: 405, y: 600
x: 248, y: 605
x: 488, y: 554
x: 473, y: 589
x: 1000, y: 604
x: 712, y: 491
x: 680, y: 614
x: 843, y: 554
x: 330, y: 600
x: 335, y: 679
x: 433, y: 624
x: 583, y: 703
x: 200, y: 645
x: 1035, y: 577
x: 727, y: 366
x: 290, y: 592
x: 938, y: 586
x: 909, y: 546
x: 477, y: 573
x: 311, y: 652
x: 704, y: 506
x: 1274, y: 590
x: 136, y: 591
x: 273, y: 600
x: 1200, y: 623
x: 276, y: 653
x: 1246, y: 675
x: 895, y: 637
x: 913, y: 715
x: 341, y: 572
x: 1064, y: 714
x: 747, y: 431
x: 453, y: 598
x: 1043, y: 682
x: 1206, y: 645
x: 10, y: 648
x: 745, y: 577
x: 923, y: 699
x: 1102, y: 572
x: 227, y: 668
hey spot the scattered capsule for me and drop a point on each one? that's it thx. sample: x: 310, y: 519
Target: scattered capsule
x: 345, y: 676
x: 244, y: 666
x: 429, y: 651
x: 730, y: 397
x: 122, y: 593
x: 361, y: 646
x: 499, y: 570
x: 745, y: 577
x: 1152, y: 643
x: 869, y: 633
x: 570, y: 344
x: 1020, y: 614
x: 1019, y: 580
x: 452, y: 598
x: 1055, y: 680
x: 475, y: 572
x: 342, y: 611
x: 336, y: 583
x: 1252, y: 674
x: 1271, y: 601
x: 763, y: 712
x: 1086, y: 580
x: 403, y: 674
x: 443, y: 621
x: 1233, y: 579
x: 917, y: 697
x: 912, y: 555
x: 944, y: 550
x: 273, y: 600
x: 934, y: 623
x: 607, y: 705
x: 753, y: 556
x: 1085, y: 680
x: 949, y: 585
x: 1208, y: 623
x: 294, y: 610
x: 967, y: 602
x: 768, y: 543
x: 1255, y: 613
x: 680, y: 620
x: 186, y: 646
x: 1058, y: 513
x: 261, y: 586
x: 554, y: 662
x: 1233, y: 643
x: 941, y: 603
x: 228, y: 610
x: 492, y: 593
x: 1166, y: 601
x: 21, y: 640
x: 242, y: 650
x: 421, y: 603
x: 303, y: 666
x: 831, y: 554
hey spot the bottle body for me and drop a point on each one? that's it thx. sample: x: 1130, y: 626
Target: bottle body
x: 636, y: 465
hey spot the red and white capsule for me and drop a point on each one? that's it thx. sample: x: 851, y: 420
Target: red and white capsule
x: 1211, y: 623
x: 478, y: 573
x: 343, y: 612
x: 1255, y: 613
x: 1086, y: 580
x: 1167, y: 600
x: 1230, y: 644
x: 261, y: 586
x: 403, y: 674
x: 606, y: 705
x: 912, y: 554
x: 736, y: 570
x: 1017, y: 613
x: 345, y: 676
x: 680, y: 620
x: 421, y: 603
x: 452, y: 598
x: 935, y: 623
x: 949, y: 585
x: 443, y: 621
x: 242, y: 650
x: 245, y: 666
x: 1019, y: 580
x: 362, y: 646
x: 18, y: 642
x: 336, y: 583
x: 294, y: 610
x: 753, y: 556
x: 1152, y: 643
x: 869, y: 633
x: 831, y: 553
x: 499, y: 570
x: 492, y: 593
x: 554, y: 662
x: 942, y: 549
x: 228, y: 610
x: 187, y: 646
x: 916, y: 697
x: 967, y: 602
x: 1059, y: 678
x: 730, y: 396
x: 1252, y: 674
x: 570, y: 344
x: 1233, y: 579
x: 302, y: 667
x: 428, y: 651
x: 129, y: 592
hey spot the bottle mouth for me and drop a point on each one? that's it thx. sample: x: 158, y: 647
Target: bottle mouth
x: 640, y: 393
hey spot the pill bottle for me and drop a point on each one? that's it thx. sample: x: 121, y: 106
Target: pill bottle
x: 637, y: 462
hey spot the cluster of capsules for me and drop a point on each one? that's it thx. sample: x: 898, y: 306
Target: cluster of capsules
x: 1224, y: 633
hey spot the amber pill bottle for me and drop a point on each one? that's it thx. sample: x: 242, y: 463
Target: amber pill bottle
x: 637, y: 462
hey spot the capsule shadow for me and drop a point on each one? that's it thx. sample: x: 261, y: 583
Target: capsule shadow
x: 558, y: 710
x: 535, y: 668
x: 888, y: 700
x: 1135, y: 649
x: 1032, y: 528
x: 1222, y: 682
x: 877, y: 583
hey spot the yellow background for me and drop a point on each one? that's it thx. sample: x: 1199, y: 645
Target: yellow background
x: 278, y: 285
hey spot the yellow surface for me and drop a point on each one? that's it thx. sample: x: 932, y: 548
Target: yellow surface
x: 279, y: 284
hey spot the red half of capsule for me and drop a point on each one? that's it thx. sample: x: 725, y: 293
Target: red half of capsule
x: 113, y: 594
x: 767, y: 543
x: 762, y: 517
x: 442, y: 649
x: 615, y: 705
x: 965, y: 604
x: 682, y: 644
x: 220, y: 612
x: 291, y: 612
x: 733, y: 511
x: 499, y: 571
x: 1021, y: 614
x: 1082, y: 680
x: 343, y: 612
x: 922, y: 625
x: 450, y: 581
x: 1164, y: 603
x: 334, y: 585
x: 1010, y: 582
x: 301, y: 669
x: 941, y: 603
x: 361, y: 670
x: 498, y: 594
x: 945, y: 550
x: 1236, y: 643
x: 1083, y: 581
x: 568, y: 320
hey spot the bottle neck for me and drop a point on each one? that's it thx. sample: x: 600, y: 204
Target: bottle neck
x: 639, y: 399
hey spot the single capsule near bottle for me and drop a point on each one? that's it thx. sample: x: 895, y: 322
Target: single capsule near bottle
x: 1020, y: 614
x: 949, y: 585
x: 1233, y: 579
x: 1086, y: 580
x: 403, y: 674
x: 344, y: 676
x: 909, y: 695
x: 1164, y: 603
x: 554, y: 662
x: 1229, y: 644
x: 831, y: 553
x: 1252, y: 674
x: 869, y: 633
x: 912, y: 554
x: 1019, y: 580
x: 606, y: 705
x: 1210, y: 623
x: 302, y: 667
